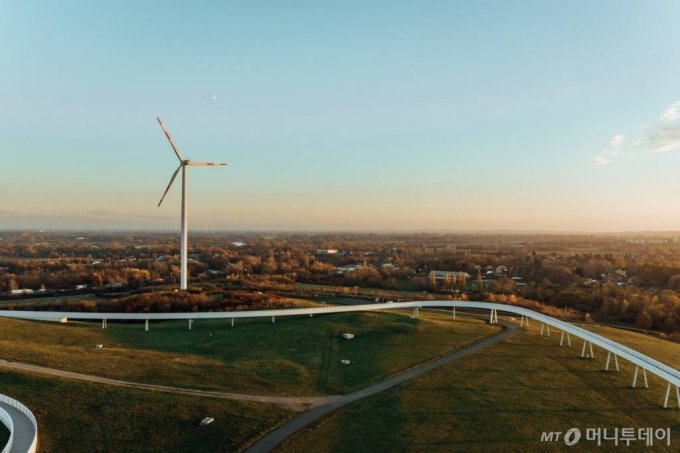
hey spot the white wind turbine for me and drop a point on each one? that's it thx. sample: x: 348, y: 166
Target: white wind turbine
x: 183, y: 164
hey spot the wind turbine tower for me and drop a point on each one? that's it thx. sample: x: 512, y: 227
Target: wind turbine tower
x: 183, y: 164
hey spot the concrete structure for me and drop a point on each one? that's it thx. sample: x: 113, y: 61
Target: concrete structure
x: 668, y: 374
x: 22, y: 426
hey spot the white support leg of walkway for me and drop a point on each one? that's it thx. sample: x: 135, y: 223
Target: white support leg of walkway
x: 616, y: 363
x: 104, y: 326
x: 668, y: 393
x: 190, y: 322
x: 493, y: 316
x: 583, y: 351
x: 146, y: 326
x: 273, y: 319
x: 568, y: 339
x: 232, y: 322
x: 544, y: 327
x: 644, y: 375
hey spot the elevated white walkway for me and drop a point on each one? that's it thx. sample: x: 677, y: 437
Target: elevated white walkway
x: 641, y: 361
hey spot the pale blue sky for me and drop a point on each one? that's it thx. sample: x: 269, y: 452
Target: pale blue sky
x: 342, y: 115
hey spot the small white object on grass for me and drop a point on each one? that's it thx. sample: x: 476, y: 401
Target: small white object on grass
x: 206, y: 421
x: 345, y: 362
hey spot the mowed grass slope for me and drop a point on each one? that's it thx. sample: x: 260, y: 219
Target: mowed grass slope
x: 502, y: 399
x: 82, y: 417
x: 665, y: 351
x: 297, y: 355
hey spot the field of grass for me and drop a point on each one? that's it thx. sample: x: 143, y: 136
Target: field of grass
x: 75, y: 416
x: 665, y: 351
x: 502, y: 400
x: 254, y: 356
x: 293, y: 356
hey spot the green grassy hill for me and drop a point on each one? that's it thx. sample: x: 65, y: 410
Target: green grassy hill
x: 297, y: 355
x: 82, y: 417
x: 502, y: 400
x: 499, y: 400
x: 292, y: 356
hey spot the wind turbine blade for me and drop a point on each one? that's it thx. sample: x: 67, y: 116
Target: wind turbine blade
x: 174, y: 147
x: 206, y: 164
x: 174, y: 175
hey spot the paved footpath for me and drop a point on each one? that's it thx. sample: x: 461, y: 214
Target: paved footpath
x: 294, y: 403
x: 275, y: 437
x: 23, y: 429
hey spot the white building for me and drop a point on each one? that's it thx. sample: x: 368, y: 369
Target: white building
x: 326, y: 251
x: 454, y: 275
x: 348, y: 268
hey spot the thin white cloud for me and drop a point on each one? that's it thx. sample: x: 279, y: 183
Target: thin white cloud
x: 672, y: 113
x: 665, y: 142
x: 611, y: 152
x: 662, y: 137
x: 666, y: 136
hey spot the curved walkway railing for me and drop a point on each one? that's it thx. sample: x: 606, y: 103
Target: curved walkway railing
x: 665, y: 372
x: 14, y: 424
x: 6, y: 420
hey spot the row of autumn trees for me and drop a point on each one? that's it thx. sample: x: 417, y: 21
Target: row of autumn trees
x: 604, y: 276
x: 168, y: 302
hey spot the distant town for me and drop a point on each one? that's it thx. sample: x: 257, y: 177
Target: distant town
x: 626, y: 279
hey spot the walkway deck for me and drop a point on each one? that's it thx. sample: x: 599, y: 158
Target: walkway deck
x: 23, y: 429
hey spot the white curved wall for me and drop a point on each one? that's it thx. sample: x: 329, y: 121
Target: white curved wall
x: 7, y: 421
x: 27, y: 412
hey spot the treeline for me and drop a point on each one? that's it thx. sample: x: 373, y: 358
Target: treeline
x: 166, y: 302
x: 608, y: 277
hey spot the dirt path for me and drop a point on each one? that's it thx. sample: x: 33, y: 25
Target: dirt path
x: 275, y: 437
x: 294, y: 403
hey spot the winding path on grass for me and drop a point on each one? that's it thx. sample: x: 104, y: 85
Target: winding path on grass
x: 295, y: 403
x: 275, y: 437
